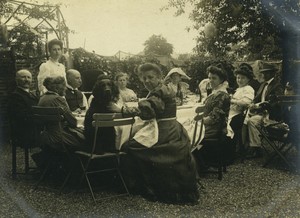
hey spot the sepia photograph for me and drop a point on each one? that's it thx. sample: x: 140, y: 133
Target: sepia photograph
x: 149, y: 108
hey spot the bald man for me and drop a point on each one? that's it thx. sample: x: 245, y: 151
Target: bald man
x: 75, y: 98
x: 19, y: 109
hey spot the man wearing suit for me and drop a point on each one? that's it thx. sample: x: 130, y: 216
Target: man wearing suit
x: 267, y: 92
x: 19, y: 109
x: 75, y: 98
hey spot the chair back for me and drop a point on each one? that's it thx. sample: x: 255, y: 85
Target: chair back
x: 44, y: 116
x: 197, y: 135
x: 109, y: 120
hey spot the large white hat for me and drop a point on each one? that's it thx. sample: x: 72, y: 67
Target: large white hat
x: 179, y: 71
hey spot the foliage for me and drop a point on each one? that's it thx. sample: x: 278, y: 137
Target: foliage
x: 196, y: 69
x: 27, y: 24
x: 26, y: 43
x: 158, y: 45
x: 257, y: 23
x: 91, y: 65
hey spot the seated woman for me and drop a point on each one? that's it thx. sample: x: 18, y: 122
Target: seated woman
x: 216, y: 110
x: 126, y: 94
x: 73, y: 138
x: 173, y: 81
x: 240, y: 101
x: 160, y: 164
x: 205, y: 88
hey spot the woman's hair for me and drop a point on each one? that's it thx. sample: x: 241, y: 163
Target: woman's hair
x: 121, y: 74
x: 217, y: 71
x: 51, y: 83
x: 55, y: 42
x: 149, y: 67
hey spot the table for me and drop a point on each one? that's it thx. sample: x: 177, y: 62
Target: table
x: 185, y: 115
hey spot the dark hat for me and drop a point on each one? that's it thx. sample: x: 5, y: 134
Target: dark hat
x: 268, y: 67
x: 244, y: 70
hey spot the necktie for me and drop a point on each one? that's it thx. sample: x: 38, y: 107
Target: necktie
x: 263, y: 94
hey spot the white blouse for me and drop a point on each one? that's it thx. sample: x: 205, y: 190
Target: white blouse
x: 49, y: 69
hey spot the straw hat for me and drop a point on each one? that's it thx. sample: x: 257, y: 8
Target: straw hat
x: 179, y: 71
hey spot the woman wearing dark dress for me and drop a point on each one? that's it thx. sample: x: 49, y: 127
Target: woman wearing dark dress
x: 216, y: 109
x: 72, y: 136
x: 159, y: 162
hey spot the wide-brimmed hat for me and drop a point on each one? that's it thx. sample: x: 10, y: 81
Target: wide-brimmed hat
x: 267, y: 67
x: 179, y: 71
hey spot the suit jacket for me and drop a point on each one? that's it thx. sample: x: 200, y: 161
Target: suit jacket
x: 19, y: 110
x: 274, y: 89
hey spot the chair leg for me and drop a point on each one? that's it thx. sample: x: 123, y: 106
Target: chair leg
x: 14, y: 160
x: 65, y: 181
x: 26, y: 153
x: 220, y: 173
x: 42, y: 176
x: 87, y: 179
x: 123, y: 181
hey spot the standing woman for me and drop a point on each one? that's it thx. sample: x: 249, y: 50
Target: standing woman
x: 126, y: 94
x: 161, y: 164
x: 52, y: 68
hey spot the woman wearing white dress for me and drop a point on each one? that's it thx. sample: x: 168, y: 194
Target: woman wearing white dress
x: 52, y: 68
x: 126, y: 94
x: 240, y: 101
x: 174, y: 81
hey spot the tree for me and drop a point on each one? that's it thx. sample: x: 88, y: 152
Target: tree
x: 257, y: 25
x: 157, y: 45
x: 27, y: 23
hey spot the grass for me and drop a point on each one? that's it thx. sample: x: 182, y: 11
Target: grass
x: 247, y: 190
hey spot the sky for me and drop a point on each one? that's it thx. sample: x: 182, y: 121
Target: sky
x: 109, y: 26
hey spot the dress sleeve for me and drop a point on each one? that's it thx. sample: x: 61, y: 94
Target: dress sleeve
x: 248, y: 94
x: 67, y: 113
x: 150, y: 107
x: 43, y: 73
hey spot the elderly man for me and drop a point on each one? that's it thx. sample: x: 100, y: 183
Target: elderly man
x: 267, y: 92
x: 19, y: 109
x: 75, y: 98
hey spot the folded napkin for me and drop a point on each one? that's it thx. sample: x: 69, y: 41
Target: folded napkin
x: 148, y: 134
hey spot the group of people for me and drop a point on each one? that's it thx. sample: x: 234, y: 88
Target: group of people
x: 238, y: 116
x: 159, y: 161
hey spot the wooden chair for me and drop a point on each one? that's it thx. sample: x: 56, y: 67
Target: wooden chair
x: 43, y: 117
x: 87, y: 158
x: 217, y: 143
x: 17, y: 141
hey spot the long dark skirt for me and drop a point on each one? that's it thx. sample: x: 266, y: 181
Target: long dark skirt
x: 166, y: 171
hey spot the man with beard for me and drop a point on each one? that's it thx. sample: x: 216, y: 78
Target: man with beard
x: 75, y: 98
x: 19, y: 109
